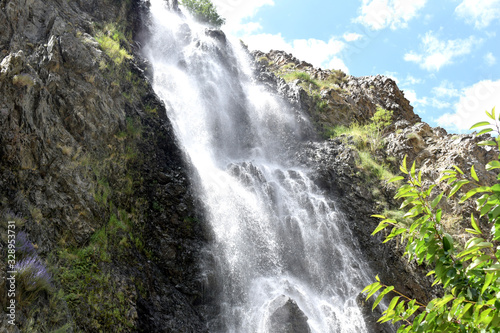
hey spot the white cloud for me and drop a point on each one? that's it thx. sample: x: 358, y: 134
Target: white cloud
x: 235, y: 11
x: 380, y: 14
x: 317, y: 52
x: 406, y: 82
x: 352, y: 36
x: 337, y: 63
x: 411, y: 95
x: 490, y: 59
x: 410, y: 80
x: 446, y: 90
x: 437, y: 53
x: 393, y: 76
x: 439, y: 104
x: 479, y: 12
x: 474, y: 100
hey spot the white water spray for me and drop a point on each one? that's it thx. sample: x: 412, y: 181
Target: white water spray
x: 275, y: 232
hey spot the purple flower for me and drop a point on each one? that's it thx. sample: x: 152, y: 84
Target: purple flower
x: 24, y: 247
x: 32, y: 275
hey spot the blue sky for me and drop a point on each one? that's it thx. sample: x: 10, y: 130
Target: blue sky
x: 445, y: 54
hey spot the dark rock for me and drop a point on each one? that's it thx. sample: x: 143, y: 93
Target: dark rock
x: 217, y: 34
x: 287, y: 317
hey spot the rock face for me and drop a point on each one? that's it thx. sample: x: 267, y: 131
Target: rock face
x: 287, y: 317
x: 90, y: 170
x: 347, y: 98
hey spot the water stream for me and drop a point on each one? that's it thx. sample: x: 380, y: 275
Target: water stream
x: 276, y: 235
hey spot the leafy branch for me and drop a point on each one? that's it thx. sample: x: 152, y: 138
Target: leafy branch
x: 470, y: 276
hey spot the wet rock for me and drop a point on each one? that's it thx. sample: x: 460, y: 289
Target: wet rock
x: 217, y: 34
x: 65, y: 168
x: 287, y: 317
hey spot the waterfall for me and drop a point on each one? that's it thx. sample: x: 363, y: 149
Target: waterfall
x: 279, y: 243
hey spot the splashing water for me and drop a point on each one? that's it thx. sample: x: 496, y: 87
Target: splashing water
x: 275, y: 233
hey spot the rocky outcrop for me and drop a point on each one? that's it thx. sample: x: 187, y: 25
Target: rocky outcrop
x: 343, y: 100
x: 90, y: 170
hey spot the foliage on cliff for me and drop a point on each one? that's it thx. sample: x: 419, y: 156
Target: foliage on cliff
x: 204, y: 11
x: 469, y: 274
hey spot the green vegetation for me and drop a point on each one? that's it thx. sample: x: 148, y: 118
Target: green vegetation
x: 378, y: 170
x: 468, y: 273
x: 204, y: 11
x: 367, y: 139
x: 311, y: 85
x: 264, y: 59
x: 110, y: 40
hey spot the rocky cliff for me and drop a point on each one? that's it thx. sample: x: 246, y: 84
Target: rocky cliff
x: 91, y: 174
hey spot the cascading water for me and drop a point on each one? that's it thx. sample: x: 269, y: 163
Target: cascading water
x: 279, y: 244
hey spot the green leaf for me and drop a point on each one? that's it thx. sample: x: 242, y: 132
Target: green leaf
x: 447, y: 242
x: 487, y: 281
x: 486, y: 130
x: 474, y: 224
x: 490, y: 115
x: 493, y: 165
x: 474, y: 174
x: 478, y: 261
x: 472, y: 231
x: 480, y: 124
x: 379, y: 216
x: 487, y: 143
x: 369, y: 287
x: 413, y: 169
x: 464, y: 310
x: 485, y: 318
x: 457, y: 187
x: 395, y: 179
x: 393, y: 303
x: 475, y: 191
x: 403, y: 166
x: 382, y: 294
x: 444, y: 300
x: 485, y: 209
x: 379, y: 228
x: 436, y: 201
x: 375, y: 288
x: 493, y: 268
x: 458, y: 169
x: 495, y: 212
x: 473, y: 241
x: 438, y: 215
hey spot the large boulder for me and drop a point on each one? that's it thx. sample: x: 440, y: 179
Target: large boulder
x: 287, y: 317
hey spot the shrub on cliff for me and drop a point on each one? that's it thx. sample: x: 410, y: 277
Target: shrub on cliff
x: 204, y: 11
x: 470, y: 275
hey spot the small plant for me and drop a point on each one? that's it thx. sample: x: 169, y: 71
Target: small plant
x: 369, y: 136
x: 374, y: 168
x: 204, y: 11
x: 109, y: 40
x: 24, y: 248
x: 264, y: 59
x: 32, y: 278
